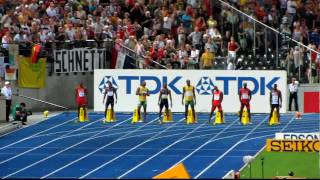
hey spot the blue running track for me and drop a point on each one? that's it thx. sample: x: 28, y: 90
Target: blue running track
x: 60, y: 148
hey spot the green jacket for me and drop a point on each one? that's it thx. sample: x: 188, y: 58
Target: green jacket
x: 17, y: 108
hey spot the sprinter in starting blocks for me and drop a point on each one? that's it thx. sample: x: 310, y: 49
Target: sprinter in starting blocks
x: 112, y: 97
x: 163, y: 101
x: 245, y: 98
x: 217, y: 97
x: 275, y: 103
x: 189, y: 98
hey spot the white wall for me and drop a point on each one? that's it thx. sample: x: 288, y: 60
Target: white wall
x: 128, y: 81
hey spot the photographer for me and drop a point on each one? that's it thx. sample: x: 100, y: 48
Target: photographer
x: 20, y: 113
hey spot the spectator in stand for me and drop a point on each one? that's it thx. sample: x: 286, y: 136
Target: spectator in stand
x: 233, y: 47
x: 207, y: 59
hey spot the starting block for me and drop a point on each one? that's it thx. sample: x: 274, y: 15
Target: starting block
x: 245, y: 117
x: 167, y: 117
x: 219, y: 119
x: 83, y: 117
x: 190, y: 119
x: 274, y: 119
x: 109, y: 118
x: 136, y: 118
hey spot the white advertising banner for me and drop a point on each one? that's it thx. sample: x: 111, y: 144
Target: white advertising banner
x: 79, y: 60
x: 298, y: 136
x: 229, y: 82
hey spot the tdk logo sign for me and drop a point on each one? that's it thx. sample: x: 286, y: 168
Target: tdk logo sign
x: 204, y: 85
x: 104, y: 82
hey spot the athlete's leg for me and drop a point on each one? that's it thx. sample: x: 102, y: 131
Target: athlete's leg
x: 241, y: 111
x: 160, y: 110
x: 248, y: 109
x: 186, y: 110
x: 166, y: 105
x: 193, y: 111
x: 139, y: 110
x: 278, y: 113
x: 212, y: 110
x: 79, y: 110
x: 145, y: 110
x: 112, y: 105
x: 106, y: 109
x: 220, y: 110
x: 271, y: 113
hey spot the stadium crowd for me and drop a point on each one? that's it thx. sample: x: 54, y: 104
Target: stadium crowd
x: 174, y: 33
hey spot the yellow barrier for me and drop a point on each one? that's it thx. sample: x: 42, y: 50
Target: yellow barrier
x: 136, y: 118
x: 219, y: 119
x: 190, y: 119
x: 274, y: 119
x: 111, y: 117
x: 82, y: 116
x: 167, y: 117
x: 176, y: 172
x: 245, y: 117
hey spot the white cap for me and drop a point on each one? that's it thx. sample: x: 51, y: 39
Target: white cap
x: 7, y: 83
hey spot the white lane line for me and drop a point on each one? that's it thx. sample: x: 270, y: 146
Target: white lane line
x: 53, y: 140
x: 235, y: 145
x: 174, y: 143
x: 128, y: 151
x: 204, y: 135
x: 87, y: 155
x: 34, y: 135
x: 172, y: 135
x: 204, y: 144
x: 33, y: 164
x: 120, y: 138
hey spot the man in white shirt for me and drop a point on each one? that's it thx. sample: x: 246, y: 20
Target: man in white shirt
x: 293, y: 89
x: 7, y: 93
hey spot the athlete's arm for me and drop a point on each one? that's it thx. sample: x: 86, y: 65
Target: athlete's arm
x: 138, y: 91
x: 212, y: 91
x: 115, y: 93
x: 170, y: 98
x: 194, y: 96
x: 104, y: 94
x: 159, y: 97
x: 249, y: 95
x: 280, y: 97
x: 270, y: 98
x: 221, y: 97
x: 76, y: 94
x: 183, y: 91
x: 148, y: 92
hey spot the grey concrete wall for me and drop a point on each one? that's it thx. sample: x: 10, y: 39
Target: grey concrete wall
x: 2, y: 109
x: 59, y: 90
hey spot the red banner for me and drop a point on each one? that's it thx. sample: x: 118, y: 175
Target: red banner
x: 311, y: 102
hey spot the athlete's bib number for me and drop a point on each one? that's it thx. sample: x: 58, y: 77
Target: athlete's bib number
x: 245, y: 96
x: 275, y: 99
x: 81, y: 94
x: 189, y: 94
x: 216, y: 97
x: 110, y: 93
x: 164, y: 96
